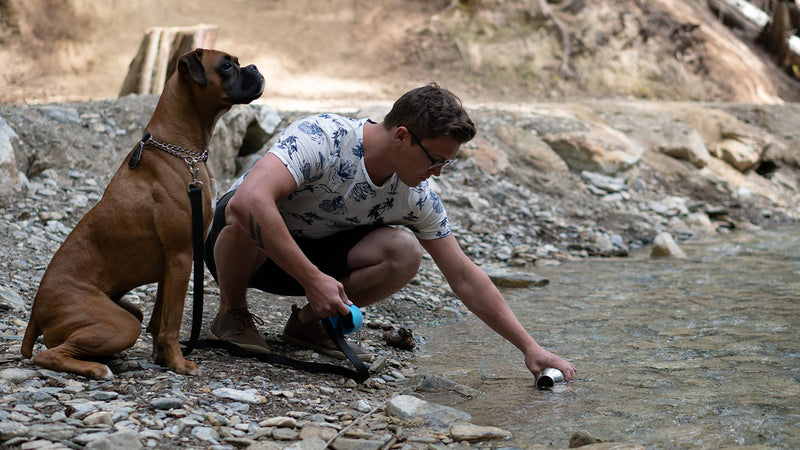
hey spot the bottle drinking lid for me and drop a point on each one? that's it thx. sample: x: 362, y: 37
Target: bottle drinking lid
x: 349, y: 323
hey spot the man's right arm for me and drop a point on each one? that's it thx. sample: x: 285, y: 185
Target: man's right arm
x: 254, y: 209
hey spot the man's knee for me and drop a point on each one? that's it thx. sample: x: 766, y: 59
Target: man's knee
x: 406, y: 253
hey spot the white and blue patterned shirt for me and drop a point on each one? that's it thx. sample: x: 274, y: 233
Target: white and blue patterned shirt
x: 325, y: 155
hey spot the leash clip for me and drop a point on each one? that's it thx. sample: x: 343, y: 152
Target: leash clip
x: 195, y: 183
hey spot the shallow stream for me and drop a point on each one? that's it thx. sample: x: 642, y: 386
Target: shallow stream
x: 703, y: 352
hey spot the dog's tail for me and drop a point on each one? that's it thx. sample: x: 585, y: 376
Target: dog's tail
x: 31, y: 333
x: 131, y: 308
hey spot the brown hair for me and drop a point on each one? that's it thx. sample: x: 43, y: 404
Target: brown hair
x: 429, y: 112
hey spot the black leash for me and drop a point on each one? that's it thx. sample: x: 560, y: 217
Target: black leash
x: 359, y: 375
x: 196, y: 199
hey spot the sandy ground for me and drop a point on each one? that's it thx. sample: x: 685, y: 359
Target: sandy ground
x: 345, y: 51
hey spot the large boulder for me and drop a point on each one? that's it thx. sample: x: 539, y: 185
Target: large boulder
x: 585, y: 142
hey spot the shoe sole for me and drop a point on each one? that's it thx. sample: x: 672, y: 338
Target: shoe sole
x: 249, y: 347
x: 324, y: 350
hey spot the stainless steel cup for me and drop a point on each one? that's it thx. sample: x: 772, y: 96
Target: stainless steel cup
x: 549, y: 377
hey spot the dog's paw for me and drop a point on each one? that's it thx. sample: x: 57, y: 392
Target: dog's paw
x: 187, y: 368
x: 100, y: 372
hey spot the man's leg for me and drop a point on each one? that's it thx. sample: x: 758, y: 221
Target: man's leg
x: 380, y: 264
x: 236, y: 259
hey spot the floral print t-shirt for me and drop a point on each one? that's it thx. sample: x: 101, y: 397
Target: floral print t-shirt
x: 325, y: 155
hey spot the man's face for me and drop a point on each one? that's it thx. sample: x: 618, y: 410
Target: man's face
x: 426, y: 157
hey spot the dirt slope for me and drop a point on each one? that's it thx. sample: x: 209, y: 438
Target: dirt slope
x: 346, y: 50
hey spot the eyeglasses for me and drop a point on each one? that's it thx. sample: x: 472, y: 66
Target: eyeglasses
x: 434, y: 163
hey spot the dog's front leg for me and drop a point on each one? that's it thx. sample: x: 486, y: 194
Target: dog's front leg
x: 165, y: 323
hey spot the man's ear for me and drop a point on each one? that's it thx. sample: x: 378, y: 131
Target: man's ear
x: 191, y: 64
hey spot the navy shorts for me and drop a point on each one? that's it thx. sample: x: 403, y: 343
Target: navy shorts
x: 329, y: 254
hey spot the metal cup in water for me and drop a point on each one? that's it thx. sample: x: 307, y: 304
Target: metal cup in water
x: 549, y: 377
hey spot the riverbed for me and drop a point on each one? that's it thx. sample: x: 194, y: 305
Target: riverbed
x: 702, y: 352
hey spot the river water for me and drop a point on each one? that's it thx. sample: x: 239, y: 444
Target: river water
x: 697, y: 353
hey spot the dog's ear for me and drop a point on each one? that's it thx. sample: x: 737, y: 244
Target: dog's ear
x: 191, y: 64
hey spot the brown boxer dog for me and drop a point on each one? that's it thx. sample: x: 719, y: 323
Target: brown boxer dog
x: 140, y: 232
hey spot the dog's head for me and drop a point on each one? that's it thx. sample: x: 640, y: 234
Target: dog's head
x: 219, y: 73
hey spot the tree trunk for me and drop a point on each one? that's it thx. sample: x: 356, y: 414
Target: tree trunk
x: 158, y: 54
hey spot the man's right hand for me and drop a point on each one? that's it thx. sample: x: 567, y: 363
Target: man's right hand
x: 326, y: 298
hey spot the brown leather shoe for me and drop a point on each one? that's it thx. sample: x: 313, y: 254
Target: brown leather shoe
x: 238, y: 326
x: 312, y: 335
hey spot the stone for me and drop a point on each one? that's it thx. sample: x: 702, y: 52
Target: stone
x: 11, y: 300
x: 526, y: 148
x: 8, y: 160
x: 664, y: 246
x: 246, y: 396
x: 121, y: 440
x: 343, y: 443
x: 268, y: 445
x: 9, y: 429
x: 581, y: 438
x: 589, y: 145
x: 310, y: 430
x: 280, y: 422
x: 166, y: 403
x: 308, y: 444
x: 410, y: 408
x: 739, y: 151
x: 17, y: 376
x: 505, y: 278
x: 460, y: 431
x: 284, y: 434
x: 99, y: 418
x: 206, y: 434
x: 604, y: 182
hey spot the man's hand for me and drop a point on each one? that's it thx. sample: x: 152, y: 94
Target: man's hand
x: 539, y: 359
x: 326, y: 297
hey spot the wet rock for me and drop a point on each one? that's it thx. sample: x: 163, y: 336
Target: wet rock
x: 505, y: 278
x: 582, y: 438
x: 401, y: 338
x: 436, y: 383
x: 410, y: 408
x: 664, y: 246
x: 613, y: 446
x: 468, y: 432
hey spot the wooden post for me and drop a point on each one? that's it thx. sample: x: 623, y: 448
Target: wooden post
x: 159, y: 52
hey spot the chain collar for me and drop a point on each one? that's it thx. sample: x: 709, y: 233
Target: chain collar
x: 188, y: 155
x: 191, y: 157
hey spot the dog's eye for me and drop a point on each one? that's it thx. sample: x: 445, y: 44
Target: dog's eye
x: 226, y: 66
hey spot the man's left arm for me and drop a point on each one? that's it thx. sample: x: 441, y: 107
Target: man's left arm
x: 474, y: 288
